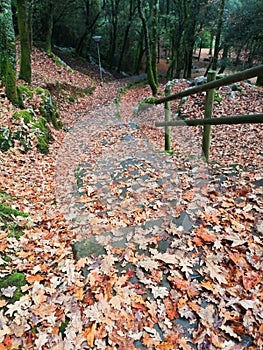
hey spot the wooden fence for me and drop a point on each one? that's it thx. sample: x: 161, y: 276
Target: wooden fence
x: 208, y: 120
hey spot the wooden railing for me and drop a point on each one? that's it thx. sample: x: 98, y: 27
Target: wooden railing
x: 208, y: 120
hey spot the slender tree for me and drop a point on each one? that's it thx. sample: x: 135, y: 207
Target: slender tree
x: 218, y: 34
x: 8, y: 51
x: 24, y: 28
x: 50, y: 23
x: 150, y: 46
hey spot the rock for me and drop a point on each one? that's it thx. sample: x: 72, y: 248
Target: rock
x: 87, y: 248
x: 200, y: 80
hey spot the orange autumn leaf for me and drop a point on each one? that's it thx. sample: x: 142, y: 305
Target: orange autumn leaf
x: 165, y: 346
x: 188, y: 195
x: 89, y: 334
x: 8, y: 340
x: 79, y: 293
x: 2, y: 303
x: 172, y: 338
x: 178, y: 283
x: 194, y: 306
x: 207, y: 285
x: 34, y: 278
x: 208, y: 238
x: 251, y: 279
x: 3, y: 235
x: 170, y: 309
x: 181, y: 303
x: 198, y: 242
x: 3, y: 246
x: 80, y: 263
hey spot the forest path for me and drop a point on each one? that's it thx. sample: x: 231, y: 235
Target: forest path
x: 109, y: 175
x: 176, y: 256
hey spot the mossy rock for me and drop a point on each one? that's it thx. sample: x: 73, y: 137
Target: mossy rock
x: 17, y: 280
x: 48, y: 108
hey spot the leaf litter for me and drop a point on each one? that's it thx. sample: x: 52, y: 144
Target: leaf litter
x: 183, y: 261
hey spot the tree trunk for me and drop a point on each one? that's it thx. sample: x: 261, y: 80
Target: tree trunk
x: 50, y: 22
x: 8, y: 51
x: 24, y: 25
x: 125, y: 38
x: 149, y: 62
x: 154, y: 39
x: 114, y: 29
x: 218, y: 34
x: 224, y: 59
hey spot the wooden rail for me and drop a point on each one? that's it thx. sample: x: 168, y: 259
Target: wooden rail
x: 208, y: 120
x: 235, y: 119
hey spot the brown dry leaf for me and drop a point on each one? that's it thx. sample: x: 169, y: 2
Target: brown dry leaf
x: 183, y: 343
x: 148, y: 264
x: 3, y: 303
x: 116, y: 302
x: 170, y: 309
x: 89, y: 334
x: 216, y: 272
x: 251, y: 279
x: 33, y: 278
x: 107, y: 263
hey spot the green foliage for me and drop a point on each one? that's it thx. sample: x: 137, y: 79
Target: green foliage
x: 10, y: 218
x: 63, y: 327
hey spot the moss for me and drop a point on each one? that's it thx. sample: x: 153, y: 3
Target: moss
x: 24, y: 92
x: 29, y: 122
x: 236, y: 87
x: 146, y: 103
x: 10, y: 83
x: 17, y: 280
x: 39, y: 91
x: 7, y: 211
x: 25, y: 115
x: 42, y: 144
x: 22, y: 135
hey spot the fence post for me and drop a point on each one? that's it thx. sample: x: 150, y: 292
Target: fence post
x: 167, y: 106
x: 209, y: 103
